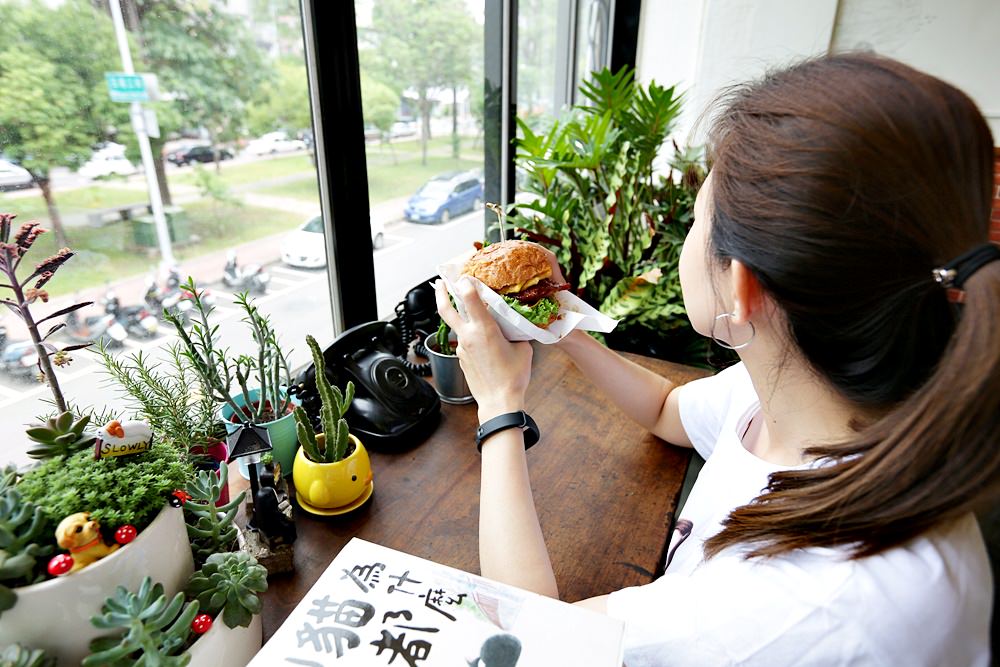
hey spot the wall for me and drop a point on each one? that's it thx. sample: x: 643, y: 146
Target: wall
x: 955, y: 41
x: 705, y: 45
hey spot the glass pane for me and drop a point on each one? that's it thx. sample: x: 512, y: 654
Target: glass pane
x: 233, y: 164
x: 421, y: 85
x: 537, y: 33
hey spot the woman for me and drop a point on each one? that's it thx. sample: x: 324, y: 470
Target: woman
x: 840, y: 245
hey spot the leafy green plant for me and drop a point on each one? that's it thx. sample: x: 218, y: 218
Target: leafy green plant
x: 211, y: 527
x: 218, y: 370
x: 615, y: 227
x: 23, y: 534
x: 155, y: 630
x: 60, y: 435
x: 16, y: 655
x: 116, y: 491
x: 11, y: 255
x: 333, y: 446
x: 169, y: 395
x: 231, y: 583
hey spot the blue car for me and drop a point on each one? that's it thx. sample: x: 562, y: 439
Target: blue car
x: 443, y: 197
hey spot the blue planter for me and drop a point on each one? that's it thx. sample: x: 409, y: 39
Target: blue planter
x: 284, y: 441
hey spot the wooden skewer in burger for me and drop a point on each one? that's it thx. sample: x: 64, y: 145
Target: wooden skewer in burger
x: 520, y: 272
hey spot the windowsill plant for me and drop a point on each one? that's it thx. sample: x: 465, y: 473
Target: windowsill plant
x: 332, y: 471
x: 616, y: 226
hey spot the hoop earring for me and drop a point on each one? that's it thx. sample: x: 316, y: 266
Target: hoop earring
x: 722, y: 343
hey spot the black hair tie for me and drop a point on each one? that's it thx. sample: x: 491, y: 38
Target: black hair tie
x: 957, y: 271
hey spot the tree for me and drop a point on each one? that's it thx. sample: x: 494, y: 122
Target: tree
x: 380, y: 103
x: 54, y: 103
x: 285, y: 105
x: 206, y: 60
x: 431, y: 48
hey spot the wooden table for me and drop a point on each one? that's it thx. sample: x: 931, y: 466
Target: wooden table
x: 605, y: 490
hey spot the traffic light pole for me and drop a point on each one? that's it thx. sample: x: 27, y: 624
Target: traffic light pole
x: 139, y: 127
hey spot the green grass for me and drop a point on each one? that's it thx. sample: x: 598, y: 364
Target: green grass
x: 107, y: 254
x: 70, y: 202
x: 253, y: 172
x: 385, y: 181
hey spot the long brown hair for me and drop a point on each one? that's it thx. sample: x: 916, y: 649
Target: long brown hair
x: 841, y: 183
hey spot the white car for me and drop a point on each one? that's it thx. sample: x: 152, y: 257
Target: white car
x: 101, y: 165
x: 13, y: 177
x: 305, y: 246
x: 274, y: 142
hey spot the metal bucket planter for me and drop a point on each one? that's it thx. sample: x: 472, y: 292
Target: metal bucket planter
x: 449, y: 379
x: 54, y: 615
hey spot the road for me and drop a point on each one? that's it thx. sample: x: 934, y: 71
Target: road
x: 297, y: 302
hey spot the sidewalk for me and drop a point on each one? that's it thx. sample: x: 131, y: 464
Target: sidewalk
x: 205, y: 269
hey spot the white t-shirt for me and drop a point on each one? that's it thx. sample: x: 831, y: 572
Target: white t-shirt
x: 927, y: 602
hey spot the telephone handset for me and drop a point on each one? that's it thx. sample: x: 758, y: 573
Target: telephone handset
x: 393, y: 408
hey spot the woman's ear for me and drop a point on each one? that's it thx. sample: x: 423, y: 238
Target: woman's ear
x: 746, y: 292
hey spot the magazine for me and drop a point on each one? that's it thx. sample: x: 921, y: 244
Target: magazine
x: 378, y: 606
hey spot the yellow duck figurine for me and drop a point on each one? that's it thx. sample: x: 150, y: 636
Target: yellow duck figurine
x: 82, y: 538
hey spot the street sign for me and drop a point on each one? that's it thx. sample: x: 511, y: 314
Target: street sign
x: 125, y: 87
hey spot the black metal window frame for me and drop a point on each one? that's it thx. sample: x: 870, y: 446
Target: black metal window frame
x: 331, y: 46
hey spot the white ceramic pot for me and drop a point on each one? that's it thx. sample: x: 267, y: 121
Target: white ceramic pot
x: 55, y: 615
x: 223, y: 646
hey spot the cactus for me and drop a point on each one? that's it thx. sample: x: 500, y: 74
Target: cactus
x: 230, y: 583
x: 210, y: 532
x: 144, y: 617
x: 334, y: 407
x: 59, y: 436
x: 22, y: 533
x: 16, y: 655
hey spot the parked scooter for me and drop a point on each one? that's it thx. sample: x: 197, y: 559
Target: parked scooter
x: 103, y: 328
x: 18, y: 359
x: 137, y: 320
x: 173, y: 298
x: 251, y: 278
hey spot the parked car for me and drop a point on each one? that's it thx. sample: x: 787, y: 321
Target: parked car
x: 274, y: 142
x: 306, y: 249
x: 403, y: 128
x: 200, y: 153
x: 14, y: 177
x: 101, y: 165
x: 445, y: 196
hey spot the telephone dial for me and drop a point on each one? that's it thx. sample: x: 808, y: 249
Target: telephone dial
x: 393, y: 407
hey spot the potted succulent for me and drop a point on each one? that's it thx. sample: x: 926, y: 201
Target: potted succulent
x: 332, y: 471
x: 267, y: 403
x: 123, y: 495
x: 214, y: 622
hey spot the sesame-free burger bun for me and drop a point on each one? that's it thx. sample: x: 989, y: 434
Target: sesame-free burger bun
x: 509, y: 267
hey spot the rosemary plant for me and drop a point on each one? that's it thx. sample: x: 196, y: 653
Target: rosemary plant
x: 169, y: 395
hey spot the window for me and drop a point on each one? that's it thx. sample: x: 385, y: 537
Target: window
x: 232, y: 154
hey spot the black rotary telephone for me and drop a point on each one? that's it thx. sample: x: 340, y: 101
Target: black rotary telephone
x: 393, y: 407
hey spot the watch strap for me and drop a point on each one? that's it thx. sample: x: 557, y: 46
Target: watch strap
x: 519, y: 419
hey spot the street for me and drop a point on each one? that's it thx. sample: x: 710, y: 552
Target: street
x: 297, y: 302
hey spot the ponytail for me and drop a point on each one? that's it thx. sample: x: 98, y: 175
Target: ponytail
x: 935, y: 457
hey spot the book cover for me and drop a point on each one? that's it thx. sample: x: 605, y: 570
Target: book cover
x: 379, y: 606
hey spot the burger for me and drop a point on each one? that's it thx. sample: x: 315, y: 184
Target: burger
x: 519, y: 272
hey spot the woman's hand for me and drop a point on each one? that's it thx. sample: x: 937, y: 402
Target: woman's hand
x: 557, y: 274
x: 496, y: 370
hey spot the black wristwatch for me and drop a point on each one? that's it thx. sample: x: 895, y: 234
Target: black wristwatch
x: 519, y: 419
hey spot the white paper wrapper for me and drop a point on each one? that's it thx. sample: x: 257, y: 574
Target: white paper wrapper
x: 574, y: 312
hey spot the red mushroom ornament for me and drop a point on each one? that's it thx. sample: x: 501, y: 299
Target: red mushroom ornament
x: 201, y: 624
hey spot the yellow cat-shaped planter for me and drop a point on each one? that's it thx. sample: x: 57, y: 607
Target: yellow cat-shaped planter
x: 333, y: 488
